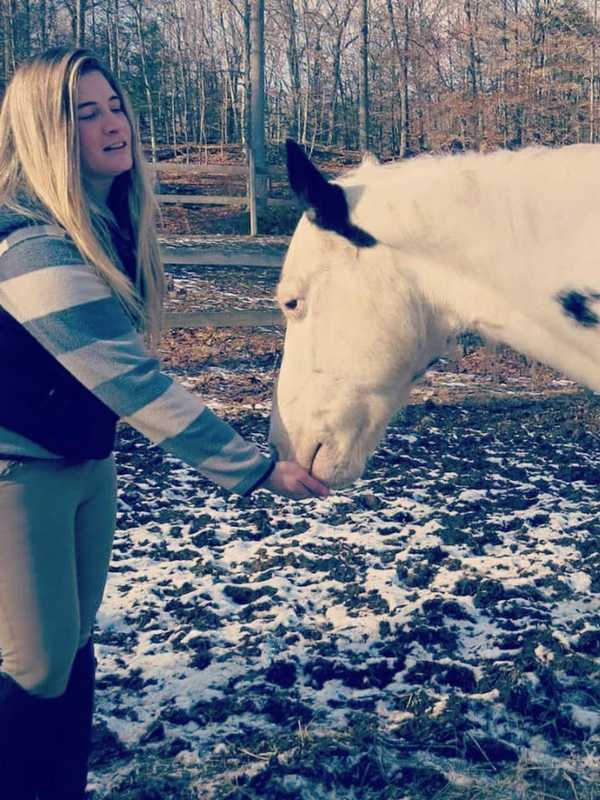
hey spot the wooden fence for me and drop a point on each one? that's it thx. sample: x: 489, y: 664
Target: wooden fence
x: 215, y: 256
x: 225, y: 170
x: 250, y: 318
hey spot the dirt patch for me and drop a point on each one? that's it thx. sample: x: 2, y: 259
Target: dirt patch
x: 434, y: 632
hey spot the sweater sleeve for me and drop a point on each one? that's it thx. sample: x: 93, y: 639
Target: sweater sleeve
x: 47, y: 287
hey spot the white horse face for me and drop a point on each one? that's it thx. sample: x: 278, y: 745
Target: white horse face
x: 358, y: 334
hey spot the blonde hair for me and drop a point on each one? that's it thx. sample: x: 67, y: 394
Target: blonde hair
x: 40, y: 177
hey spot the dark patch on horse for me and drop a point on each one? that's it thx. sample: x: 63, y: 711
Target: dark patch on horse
x: 332, y: 214
x: 575, y: 305
x: 325, y: 203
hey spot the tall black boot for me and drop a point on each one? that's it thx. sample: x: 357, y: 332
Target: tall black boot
x: 19, y: 728
x: 68, y: 732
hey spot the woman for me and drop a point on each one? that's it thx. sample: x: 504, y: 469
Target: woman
x: 80, y: 278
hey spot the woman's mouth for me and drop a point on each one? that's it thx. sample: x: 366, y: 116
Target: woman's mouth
x: 115, y: 146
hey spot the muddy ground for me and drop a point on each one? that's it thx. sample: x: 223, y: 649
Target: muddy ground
x: 433, y: 632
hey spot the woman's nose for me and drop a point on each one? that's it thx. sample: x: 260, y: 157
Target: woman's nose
x: 111, y: 124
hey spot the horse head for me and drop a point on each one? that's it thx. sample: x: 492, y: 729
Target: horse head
x: 390, y: 261
x: 359, y: 333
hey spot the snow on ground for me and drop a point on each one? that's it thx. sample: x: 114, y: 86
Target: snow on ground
x: 463, y: 569
x: 450, y: 601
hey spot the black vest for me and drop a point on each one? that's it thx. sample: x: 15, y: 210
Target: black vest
x: 42, y: 401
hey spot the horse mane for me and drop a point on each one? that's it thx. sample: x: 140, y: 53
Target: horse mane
x: 424, y: 161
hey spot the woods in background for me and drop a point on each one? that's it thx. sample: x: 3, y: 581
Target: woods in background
x: 398, y: 76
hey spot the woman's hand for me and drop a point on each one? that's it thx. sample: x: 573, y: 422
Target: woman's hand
x: 290, y: 480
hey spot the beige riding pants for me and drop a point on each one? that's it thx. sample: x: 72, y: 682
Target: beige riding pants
x: 56, y: 529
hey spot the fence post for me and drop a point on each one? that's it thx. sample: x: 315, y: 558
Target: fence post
x: 252, y: 191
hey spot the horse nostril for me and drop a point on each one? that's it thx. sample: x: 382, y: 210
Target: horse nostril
x: 312, y: 461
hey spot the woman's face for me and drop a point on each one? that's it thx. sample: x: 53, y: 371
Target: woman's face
x: 104, y: 130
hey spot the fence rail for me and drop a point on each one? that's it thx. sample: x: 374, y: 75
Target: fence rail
x: 217, y: 200
x: 218, y: 257
x: 215, y: 256
x: 250, y: 318
x: 239, y: 170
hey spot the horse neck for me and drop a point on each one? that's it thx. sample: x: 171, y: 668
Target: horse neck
x: 497, y: 245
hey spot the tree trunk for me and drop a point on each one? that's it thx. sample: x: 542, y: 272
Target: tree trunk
x: 9, y: 13
x: 294, y: 67
x: 25, y: 43
x: 538, y: 51
x: 3, y: 22
x: 116, y: 52
x: 174, y: 112
x: 404, y: 108
x: 363, y: 108
x: 593, y: 76
x: 402, y: 58
x: 147, y: 89
x: 257, y: 104
x: 246, y: 95
x: 473, y: 71
x: 201, y: 94
x: 337, y: 75
x: 518, y: 112
x: 94, y: 44
x: 80, y: 11
x: 43, y: 24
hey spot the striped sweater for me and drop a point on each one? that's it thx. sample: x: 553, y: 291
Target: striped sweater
x: 60, y: 300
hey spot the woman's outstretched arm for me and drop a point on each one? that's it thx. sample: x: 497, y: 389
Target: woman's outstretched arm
x: 47, y: 287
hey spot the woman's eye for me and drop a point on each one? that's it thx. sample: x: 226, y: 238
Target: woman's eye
x: 94, y: 114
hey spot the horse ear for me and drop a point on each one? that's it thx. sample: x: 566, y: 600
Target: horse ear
x: 325, y: 203
x: 309, y: 186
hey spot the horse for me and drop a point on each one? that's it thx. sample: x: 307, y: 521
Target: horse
x: 389, y: 263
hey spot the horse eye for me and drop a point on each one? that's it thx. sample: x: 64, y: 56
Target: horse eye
x: 294, y: 308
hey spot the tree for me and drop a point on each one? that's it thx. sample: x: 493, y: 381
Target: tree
x: 257, y: 147
x: 137, y: 7
x: 399, y: 75
x: 363, y: 112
